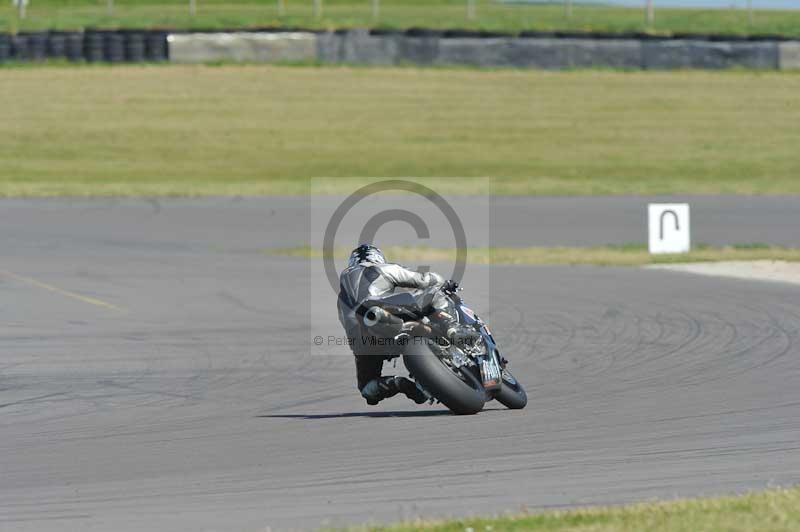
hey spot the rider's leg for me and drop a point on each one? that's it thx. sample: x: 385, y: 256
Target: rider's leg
x: 410, y: 389
x: 368, y: 371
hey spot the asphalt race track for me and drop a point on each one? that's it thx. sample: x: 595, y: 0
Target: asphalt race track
x: 155, y: 374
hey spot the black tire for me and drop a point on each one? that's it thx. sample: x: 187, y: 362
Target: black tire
x: 93, y: 46
x: 135, y: 47
x: 56, y: 45
x: 37, y: 45
x: 19, y: 47
x: 462, y: 393
x: 156, y: 48
x: 114, y: 47
x: 73, y: 47
x: 5, y: 47
x: 511, y: 394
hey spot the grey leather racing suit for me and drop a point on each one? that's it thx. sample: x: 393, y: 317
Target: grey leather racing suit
x: 372, y: 281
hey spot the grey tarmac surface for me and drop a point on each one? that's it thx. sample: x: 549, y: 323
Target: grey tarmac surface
x: 194, y: 404
x: 284, y: 221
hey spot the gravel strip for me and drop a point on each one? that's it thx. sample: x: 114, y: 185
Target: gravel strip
x: 759, y: 270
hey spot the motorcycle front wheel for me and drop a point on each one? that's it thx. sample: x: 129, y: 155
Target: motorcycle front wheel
x: 458, y: 389
x: 511, y: 393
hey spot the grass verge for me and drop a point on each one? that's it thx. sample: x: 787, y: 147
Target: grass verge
x: 489, y: 15
x: 627, y: 255
x: 774, y: 510
x: 230, y: 130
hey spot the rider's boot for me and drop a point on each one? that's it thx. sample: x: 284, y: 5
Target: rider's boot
x: 377, y: 390
x: 411, y: 390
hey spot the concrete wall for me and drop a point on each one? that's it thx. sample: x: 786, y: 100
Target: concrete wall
x: 789, y: 55
x: 243, y: 46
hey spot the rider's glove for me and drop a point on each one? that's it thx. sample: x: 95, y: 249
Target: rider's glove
x: 450, y: 286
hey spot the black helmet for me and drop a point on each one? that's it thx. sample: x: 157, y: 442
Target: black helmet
x: 366, y: 253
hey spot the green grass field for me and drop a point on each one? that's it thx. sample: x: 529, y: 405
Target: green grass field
x: 489, y: 15
x: 775, y: 510
x: 195, y: 130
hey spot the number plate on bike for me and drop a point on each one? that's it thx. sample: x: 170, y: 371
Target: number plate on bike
x: 490, y: 372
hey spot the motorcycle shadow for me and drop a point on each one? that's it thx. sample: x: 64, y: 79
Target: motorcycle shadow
x: 381, y: 414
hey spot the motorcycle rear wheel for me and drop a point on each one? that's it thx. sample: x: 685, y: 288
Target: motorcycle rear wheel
x: 458, y: 389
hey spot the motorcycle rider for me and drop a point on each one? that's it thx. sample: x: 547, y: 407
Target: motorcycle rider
x: 369, y: 276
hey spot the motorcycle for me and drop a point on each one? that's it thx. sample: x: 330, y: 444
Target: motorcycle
x: 461, y: 375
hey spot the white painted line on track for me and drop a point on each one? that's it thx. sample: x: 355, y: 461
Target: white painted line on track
x: 67, y: 293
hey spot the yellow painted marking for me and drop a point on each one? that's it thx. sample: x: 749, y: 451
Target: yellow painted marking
x: 67, y: 293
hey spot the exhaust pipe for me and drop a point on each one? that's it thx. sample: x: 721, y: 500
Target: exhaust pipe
x: 375, y: 315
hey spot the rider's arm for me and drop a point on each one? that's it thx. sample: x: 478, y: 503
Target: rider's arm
x: 406, y: 278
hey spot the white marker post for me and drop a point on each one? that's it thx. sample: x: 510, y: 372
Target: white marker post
x: 651, y: 12
x: 668, y: 227
x: 21, y: 7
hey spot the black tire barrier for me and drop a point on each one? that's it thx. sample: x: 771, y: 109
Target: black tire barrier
x: 422, y: 32
x: 57, y: 45
x: 537, y: 34
x: 689, y: 37
x: 37, y: 45
x: 474, y: 34
x: 73, y: 46
x: 156, y: 46
x: 5, y: 47
x: 729, y: 38
x: 568, y: 34
x: 642, y: 36
x: 19, y: 47
x: 93, y: 45
x: 135, y: 49
x: 29, y: 46
x: 113, y: 47
x: 604, y: 36
x: 769, y: 38
x: 382, y: 32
